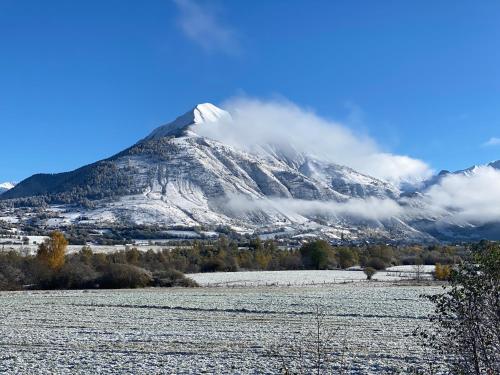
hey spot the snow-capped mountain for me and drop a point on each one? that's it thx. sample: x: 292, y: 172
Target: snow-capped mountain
x: 177, y: 177
x: 436, y: 179
x: 201, y: 114
x: 174, y: 176
x: 459, y: 205
x: 6, y: 186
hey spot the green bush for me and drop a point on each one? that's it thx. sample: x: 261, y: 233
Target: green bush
x: 171, y: 278
x: 369, y: 272
x: 464, y: 330
x: 75, y: 276
x: 125, y: 276
x: 346, y: 257
x: 376, y: 263
x: 316, y: 254
x: 11, y: 278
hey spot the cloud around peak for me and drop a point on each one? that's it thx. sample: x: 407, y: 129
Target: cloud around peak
x: 258, y: 122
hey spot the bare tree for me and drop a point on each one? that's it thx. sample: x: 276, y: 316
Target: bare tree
x: 313, y: 351
x: 418, y: 269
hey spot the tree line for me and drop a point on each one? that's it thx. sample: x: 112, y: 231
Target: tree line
x: 53, y: 268
x: 226, y: 255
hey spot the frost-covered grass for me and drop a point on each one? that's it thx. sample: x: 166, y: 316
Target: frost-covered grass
x: 298, y: 278
x: 205, y: 330
x: 411, y: 268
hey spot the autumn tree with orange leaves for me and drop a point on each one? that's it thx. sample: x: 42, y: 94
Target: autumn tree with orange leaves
x: 53, y: 250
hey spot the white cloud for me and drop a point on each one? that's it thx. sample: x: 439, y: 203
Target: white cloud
x: 200, y: 24
x: 458, y: 199
x: 467, y: 198
x: 493, y: 141
x: 368, y: 209
x: 256, y: 123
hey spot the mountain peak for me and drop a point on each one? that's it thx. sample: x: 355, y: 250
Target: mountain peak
x: 6, y: 186
x: 207, y: 112
x: 200, y: 114
x: 495, y: 164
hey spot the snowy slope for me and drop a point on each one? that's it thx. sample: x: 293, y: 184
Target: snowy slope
x: 175, y: 176
x: 201, y: 114
x: 6, y: 186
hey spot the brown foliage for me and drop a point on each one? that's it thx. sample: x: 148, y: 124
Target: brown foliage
x: 442, y: 272
x: 53, y: 251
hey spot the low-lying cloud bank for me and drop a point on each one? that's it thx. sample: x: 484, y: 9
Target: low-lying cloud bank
x: 255, y: 123
x: 460, y: 199
x: 367, y: 209
x: 469, y: 198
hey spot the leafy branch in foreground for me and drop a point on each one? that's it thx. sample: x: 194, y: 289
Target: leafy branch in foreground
x: 465, y: 324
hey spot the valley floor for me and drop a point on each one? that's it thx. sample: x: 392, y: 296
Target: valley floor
x: 207, y: 330
x: 318, y: 278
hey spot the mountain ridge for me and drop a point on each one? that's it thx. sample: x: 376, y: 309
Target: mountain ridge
x: 176, y: 177
x: 5, y: 186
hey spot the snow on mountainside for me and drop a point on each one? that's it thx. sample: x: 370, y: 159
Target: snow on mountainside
x: 472, y: 170
x: 436, y: 179
x: 176, y: 177
x: 6, y: 186
x: 201, y: 114
x: 460, y: 205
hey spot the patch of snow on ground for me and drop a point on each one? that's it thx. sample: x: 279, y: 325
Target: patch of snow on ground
x: 291, y: 278
x: 200, y: 330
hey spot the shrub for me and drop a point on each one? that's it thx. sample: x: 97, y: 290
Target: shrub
x: 171, y: 278
x: 346, y: 257
x: 11, y: 278
x: 86, y: 254
x: 466, y: 318
x: 369, y: 272
x: 376, y: 263
x: 119, y: 275
x: 316, y: 254
x: 290, y: 261
x: 213, y: 265
x: 41, y: 274
x: 75, y: 276
x: 442, y: 272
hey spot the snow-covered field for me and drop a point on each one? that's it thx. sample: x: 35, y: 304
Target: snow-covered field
x: 204, y: 330
x: 301, y: 278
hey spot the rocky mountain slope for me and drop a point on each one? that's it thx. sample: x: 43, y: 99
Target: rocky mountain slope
x: 174, y: 176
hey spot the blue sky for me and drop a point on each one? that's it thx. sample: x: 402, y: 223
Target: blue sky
x: 81, y: 80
